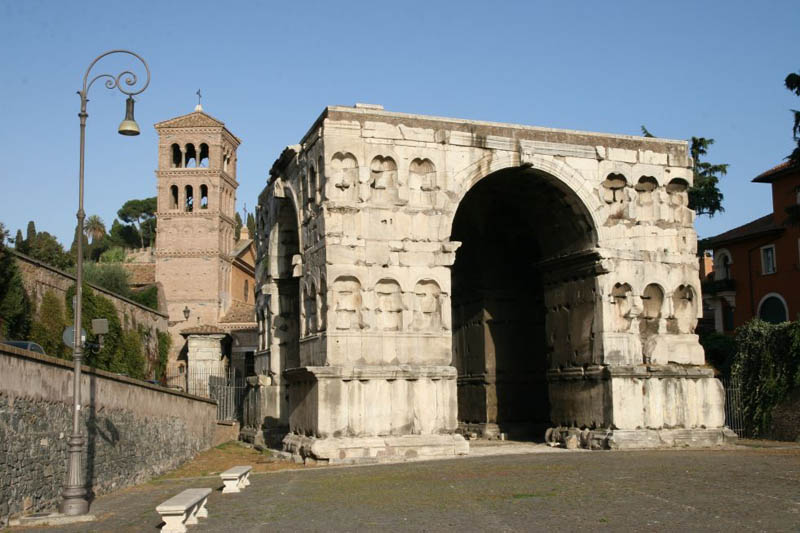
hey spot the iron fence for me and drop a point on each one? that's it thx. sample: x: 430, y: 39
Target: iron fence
x: 225, y: 385
x: 734, y: 418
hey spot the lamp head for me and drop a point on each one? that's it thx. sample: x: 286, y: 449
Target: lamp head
x: 129, y: 125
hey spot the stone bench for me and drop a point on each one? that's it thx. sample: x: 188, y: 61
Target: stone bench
x: 182, y: 509
x: 235, y: 478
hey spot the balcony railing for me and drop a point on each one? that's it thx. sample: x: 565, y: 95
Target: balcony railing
x: 715, y: 286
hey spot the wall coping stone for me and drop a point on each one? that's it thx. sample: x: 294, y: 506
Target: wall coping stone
x: 38, y: 263
x: 13, y: 351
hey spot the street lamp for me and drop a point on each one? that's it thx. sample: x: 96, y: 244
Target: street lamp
x: 74, y: 500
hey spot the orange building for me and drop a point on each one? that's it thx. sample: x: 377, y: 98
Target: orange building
x: 757, y: 265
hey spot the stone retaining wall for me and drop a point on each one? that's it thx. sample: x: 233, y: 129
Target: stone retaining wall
x: 38, y: 278
x: 134, y: 430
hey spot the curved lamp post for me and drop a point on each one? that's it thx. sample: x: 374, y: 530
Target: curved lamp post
x: 74, y: 500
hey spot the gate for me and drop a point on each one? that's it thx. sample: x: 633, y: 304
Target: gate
x: 227, y: 386
x: 733, y: 406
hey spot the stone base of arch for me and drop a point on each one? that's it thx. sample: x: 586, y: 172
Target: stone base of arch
x: 639, y: 406
x: 356, y: 414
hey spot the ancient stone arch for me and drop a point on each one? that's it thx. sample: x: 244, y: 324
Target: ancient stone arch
x: 483, y: 278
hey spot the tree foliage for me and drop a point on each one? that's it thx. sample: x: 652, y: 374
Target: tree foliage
x: 110, y: 276
x: 140, y: 213
x: 15, y: 307
x: 792, y: 83
x: 251, y: 225
x: 767, y: 368
x: 98, y: 306
x: 46, y: 248
x: 49, y: 324
x: 124, y: 235
x: 94, y: 228
x: 164, y: 344
x: 238, y: 230
x: 704, y: 194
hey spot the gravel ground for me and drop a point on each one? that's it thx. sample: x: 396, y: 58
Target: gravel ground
x: 743, y: 488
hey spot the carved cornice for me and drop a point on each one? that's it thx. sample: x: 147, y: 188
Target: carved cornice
x: 197, y: 173
x: 193, y: 253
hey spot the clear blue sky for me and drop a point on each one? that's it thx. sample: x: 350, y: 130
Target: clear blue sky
x: 267, y: 69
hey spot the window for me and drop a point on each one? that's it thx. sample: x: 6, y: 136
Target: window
x: 174, y: 197
x: 768, y: 265
x: 189, y: 205
x: 246, y: 289
x: 773, y: 309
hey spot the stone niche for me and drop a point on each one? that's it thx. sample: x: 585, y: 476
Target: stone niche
x: 455, y: 277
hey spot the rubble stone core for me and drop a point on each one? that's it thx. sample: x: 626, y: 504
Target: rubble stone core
x: 420, y: 277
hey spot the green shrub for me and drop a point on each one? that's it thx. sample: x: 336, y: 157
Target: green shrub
x: 15, y: 307
x: 164, y: 344
x: 110, y: 276
x: 148, y: 297
x: 720, y: 351
x: 115, y: 254
x: 48, y: 326
x: 767, y: 368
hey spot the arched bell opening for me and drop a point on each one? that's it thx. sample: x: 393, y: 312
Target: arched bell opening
x: 523, y: 293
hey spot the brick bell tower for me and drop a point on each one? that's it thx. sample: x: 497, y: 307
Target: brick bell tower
x: 196, y: 207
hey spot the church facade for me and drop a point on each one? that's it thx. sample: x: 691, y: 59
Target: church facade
x: 420, y: 278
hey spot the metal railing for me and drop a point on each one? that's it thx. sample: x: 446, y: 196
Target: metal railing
x: 733, y: 405
x: 225, y: 385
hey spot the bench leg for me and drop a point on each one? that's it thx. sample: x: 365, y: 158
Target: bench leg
x: 192, y: 518
x: 202, y: 511
x: 231, y: 485
x: 246, y: 480
x: 173, y: 524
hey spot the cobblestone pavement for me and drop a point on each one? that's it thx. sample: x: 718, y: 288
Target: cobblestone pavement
x: 741, y: 489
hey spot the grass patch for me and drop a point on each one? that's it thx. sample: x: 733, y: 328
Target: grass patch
x: 226, y: 455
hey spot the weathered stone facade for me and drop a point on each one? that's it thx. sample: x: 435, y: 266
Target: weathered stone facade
x: 134, y: 430
x: 417, y: 275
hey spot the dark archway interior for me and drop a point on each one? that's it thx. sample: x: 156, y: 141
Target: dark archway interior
x: 508, y: 223
x: 287, y: 322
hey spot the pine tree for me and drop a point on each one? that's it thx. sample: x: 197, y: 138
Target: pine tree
x: 704, y: 195
x: 15, y: 308
x: 251, y: 225
x: 19, y: 243
x: 238, y: 230
x: 31, y: 232
x: 792, y: 83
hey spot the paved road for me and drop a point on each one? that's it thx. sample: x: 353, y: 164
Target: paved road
x: 687, y: 490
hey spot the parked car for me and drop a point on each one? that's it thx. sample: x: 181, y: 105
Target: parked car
x: 26, y: 345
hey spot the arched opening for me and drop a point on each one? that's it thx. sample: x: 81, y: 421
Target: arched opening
x: 312, y: 185
x: 190, y: 159
x: 773, y: 309
x: 203, y: 156
x: 522, y: 299
x: 177, y: 156
x: 203, y: 196
x: 173, y: 190
x: 189, y: 198
x: 284, y: 248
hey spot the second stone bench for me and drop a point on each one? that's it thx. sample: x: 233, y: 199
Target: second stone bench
x: 235, y: 478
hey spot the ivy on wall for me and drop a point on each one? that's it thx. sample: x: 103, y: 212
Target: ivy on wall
x: 767, y: 367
